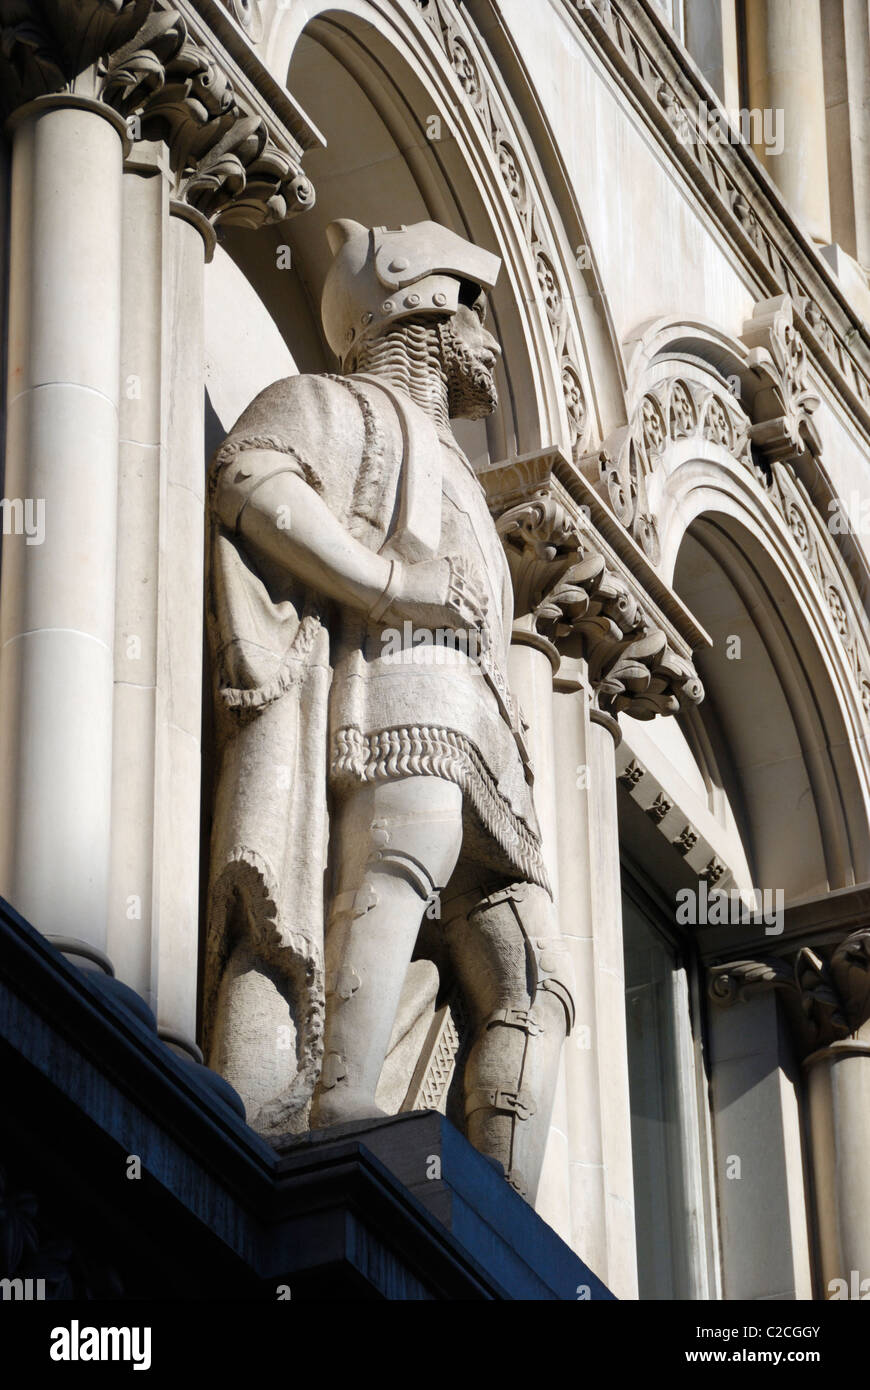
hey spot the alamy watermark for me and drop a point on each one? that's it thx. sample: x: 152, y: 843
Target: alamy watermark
x: 24, y: 517
x: 717, y: 908
x: 854, y: 1288
x: 440, y: 646
x: 849, y: 517
x: 761, y: 127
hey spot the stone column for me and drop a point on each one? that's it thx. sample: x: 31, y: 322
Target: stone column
x: 588, y: 1187
x: 785, y: 74
x: 180, y: 632
x: 57, y: 593
x: 530, y: 671
x: 825, y: 994
x: 838, y: 1093
x: 606, y: 902
x: 846, y: 51
x: 145, y: 212
x: 838, y: 1090
x: 590, y: 912
x: 711, y: 38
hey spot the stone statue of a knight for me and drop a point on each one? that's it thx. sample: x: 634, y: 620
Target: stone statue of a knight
x: 362, y: 782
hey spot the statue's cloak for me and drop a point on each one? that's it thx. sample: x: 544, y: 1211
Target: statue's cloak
x: 270, y: 650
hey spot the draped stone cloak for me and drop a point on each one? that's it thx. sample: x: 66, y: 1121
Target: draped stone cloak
x: 310, y: 702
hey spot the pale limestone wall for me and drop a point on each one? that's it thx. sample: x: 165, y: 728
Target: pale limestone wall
x: 798, y: 736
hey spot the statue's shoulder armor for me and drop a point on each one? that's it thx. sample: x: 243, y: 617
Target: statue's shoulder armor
x: 342, y: 436
x: 312, y: 415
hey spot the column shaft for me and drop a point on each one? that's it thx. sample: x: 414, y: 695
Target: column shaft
x: 611, y: 1038
x: 531, y: 678
x: 132, y: 848
x: 838, y: 1086
x: 785, y: 77
x: 57, y: 593
x: 582, y: 1052
x: 180, y: 637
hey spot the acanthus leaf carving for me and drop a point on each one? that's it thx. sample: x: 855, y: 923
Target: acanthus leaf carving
x: 569, y: 593
x: 225, y: 162
x: 141, y: 59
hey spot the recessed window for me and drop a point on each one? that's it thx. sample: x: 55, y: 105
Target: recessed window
x: 668, y: 1139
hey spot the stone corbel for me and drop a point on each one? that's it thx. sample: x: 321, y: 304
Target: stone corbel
x: 572, y: 597
x: 827, y: 996
x: 781, y: 402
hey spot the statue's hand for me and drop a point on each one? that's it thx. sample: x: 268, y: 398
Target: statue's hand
x: 439, y: 593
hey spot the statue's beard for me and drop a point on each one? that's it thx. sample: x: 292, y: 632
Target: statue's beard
x: 471, y: 390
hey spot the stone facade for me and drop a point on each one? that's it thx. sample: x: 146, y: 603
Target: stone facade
x: 676, y: 474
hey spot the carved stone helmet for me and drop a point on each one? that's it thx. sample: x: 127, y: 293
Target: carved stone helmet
x: 384, y: 274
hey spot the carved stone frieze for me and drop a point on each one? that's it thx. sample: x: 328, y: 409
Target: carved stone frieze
x: 673, y: 410
x: 662, y: 806
x: 826, y: 990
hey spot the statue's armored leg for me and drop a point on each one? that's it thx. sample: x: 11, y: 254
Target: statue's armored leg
x: 400, y: 841
x: 515, y: 975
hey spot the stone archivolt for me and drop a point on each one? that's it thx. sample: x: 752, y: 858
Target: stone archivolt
x: 554, y: 289
x: 149, y: 61
x: 767, y: 428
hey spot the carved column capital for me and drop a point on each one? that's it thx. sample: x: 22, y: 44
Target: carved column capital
x: 571, y: 592
x: 153, y: 65
x: 826, y: 994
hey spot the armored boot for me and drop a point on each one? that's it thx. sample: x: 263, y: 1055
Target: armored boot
x: 516, y: 977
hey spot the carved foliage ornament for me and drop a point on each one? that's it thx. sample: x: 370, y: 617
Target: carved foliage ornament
x: 151, y: 67
x: 829, y: 995
x: 225, y: 162
x: 672, y: 411
x: 570, y: 593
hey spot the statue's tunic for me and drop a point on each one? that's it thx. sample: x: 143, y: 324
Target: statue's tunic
x: 310, y: 696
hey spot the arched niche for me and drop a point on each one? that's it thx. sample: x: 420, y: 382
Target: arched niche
x: 419, y: 123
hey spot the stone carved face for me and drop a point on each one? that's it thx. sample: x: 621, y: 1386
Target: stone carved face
x: 469, y: 354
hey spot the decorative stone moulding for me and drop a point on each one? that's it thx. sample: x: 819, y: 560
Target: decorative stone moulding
x: 235, y: 139
x: 826, y: 989
x: 672, y: 821
x: 554, y: 286
x: 575, y: 596
x: 757, y: 404
x: 647, y: 62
